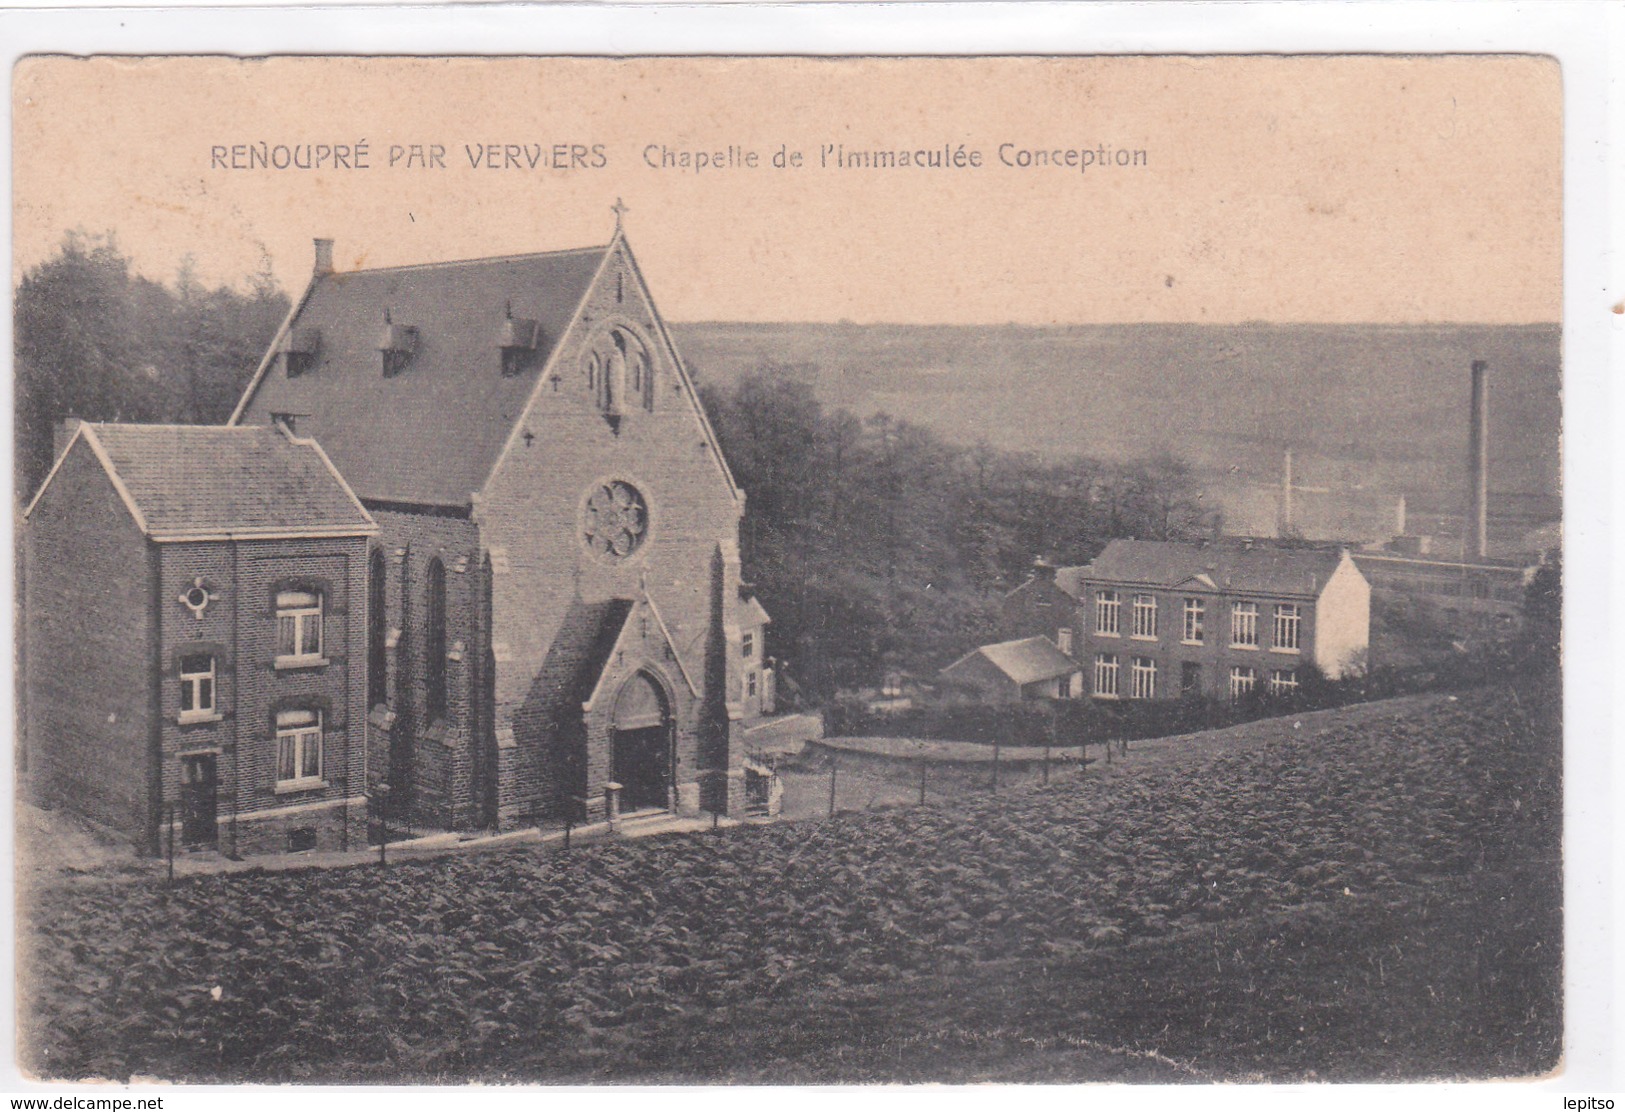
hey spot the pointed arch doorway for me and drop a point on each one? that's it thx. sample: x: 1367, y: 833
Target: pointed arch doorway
x: 643, y: 743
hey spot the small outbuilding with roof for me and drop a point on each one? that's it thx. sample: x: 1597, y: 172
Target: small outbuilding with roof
x: 1010, y: 671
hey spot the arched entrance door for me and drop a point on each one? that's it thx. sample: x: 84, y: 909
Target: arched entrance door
x: 643, y: 744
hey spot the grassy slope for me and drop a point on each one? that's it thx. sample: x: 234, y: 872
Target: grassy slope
x: 1376, y: 894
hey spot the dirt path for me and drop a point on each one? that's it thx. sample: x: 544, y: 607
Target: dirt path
x: 53, y: 847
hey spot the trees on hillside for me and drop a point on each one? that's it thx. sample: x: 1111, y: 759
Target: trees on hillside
x: 877, y: 544
x: 96, y: 341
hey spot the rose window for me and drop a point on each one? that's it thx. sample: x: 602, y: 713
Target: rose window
x: 617, y: 520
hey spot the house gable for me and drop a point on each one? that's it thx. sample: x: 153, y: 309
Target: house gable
x: 1343, y: 621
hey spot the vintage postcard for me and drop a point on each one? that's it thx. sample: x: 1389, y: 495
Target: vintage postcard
x: 701, y: 570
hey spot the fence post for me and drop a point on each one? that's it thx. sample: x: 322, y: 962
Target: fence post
x: 383, y: 824
x: 995, y: 767
x: 171, y: 879
x: 834, y: 766
x: 922, y: 780
x: 1046, y: 766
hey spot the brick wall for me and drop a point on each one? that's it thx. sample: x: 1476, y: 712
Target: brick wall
x: 1215, y: 655
x: 240, y: 625
x: 89, y: 630
x: 442, y: 764
x: 1037, y: 608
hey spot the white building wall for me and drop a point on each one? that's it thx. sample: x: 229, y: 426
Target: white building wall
x: 1343, y: 622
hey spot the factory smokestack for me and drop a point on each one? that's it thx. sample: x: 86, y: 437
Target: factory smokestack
x: 1476, y: 540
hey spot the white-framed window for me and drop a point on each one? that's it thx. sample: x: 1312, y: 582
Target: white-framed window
x: 1107, y: 609
x: 1244, y: 624
x: 1195, y: 620
x: 298, y: 625
x: 1143, y: 674
x: 750, y: 684
x: 1063, y: 640
x: 747, y: 645
x: 1106, y: 675
x: 1283, y: 681
x: 1145, y: 617
x: 1242, y: 680
x: 298, y: 747
x: 1288, y: 619
x: 197, y: 686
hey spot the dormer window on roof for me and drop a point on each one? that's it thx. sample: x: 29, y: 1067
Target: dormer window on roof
x: 517, y: 339
x: 396, y: 342
x: 299, y: 349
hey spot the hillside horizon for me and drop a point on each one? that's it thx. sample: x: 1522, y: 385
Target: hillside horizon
x: 1371, y: 412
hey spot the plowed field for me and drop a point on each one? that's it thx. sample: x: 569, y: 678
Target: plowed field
x: 1376, y: 898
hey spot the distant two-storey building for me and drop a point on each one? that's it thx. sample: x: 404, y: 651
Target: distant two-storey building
x: 194, y: 640
x: 1159, y: 619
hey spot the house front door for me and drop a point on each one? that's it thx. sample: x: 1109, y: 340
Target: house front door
x: 198, y: 826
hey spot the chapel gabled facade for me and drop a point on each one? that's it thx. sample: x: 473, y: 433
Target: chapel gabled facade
x: 557, y: 628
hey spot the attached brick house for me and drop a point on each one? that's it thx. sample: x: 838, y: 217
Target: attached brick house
x: 1162, y: 619
x: 194, y: 638
x: 1046, y: 605
x: 558, y: 626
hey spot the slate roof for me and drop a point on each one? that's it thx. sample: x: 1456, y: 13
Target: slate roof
x: 1259, y: 569
x: 430, y: 434
x: 1029, y: 660
x: 577, y: 657
x: 181, y: 481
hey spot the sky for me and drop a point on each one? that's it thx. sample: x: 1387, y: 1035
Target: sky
x: 1335, y: 189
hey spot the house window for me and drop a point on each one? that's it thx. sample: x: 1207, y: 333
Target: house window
x: 747, y: 645
x: 1283, y: 681
x: 1106, y: 613
x: 1287, y: 620
x: 434, y: 670
x: 1190, y: 678
x: 298, y: 748
x: 1244, y: 625
x: 298, y: 626
x: 1195, y: 617
x: 1144, y: 675
x: 1106, y: 675
x: 1063, y: 640
x: 197, y: 687
x: 1145, y: 617
x: 1241, y: 681
x: 750, y: 685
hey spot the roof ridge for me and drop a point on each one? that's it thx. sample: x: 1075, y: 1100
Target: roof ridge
x: 168, y: 425
x: 471, y: 262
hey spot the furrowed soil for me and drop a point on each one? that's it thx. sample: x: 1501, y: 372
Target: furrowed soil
x: 1375, y: 895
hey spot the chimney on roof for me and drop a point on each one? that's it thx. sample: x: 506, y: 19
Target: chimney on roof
x: 1475, y: 542
x: 1044, y: 570
x: 324, y: 258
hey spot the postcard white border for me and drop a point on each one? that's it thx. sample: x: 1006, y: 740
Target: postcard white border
x: 1586, y: 37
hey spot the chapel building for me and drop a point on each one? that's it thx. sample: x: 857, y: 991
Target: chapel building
x: 557, y: 628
